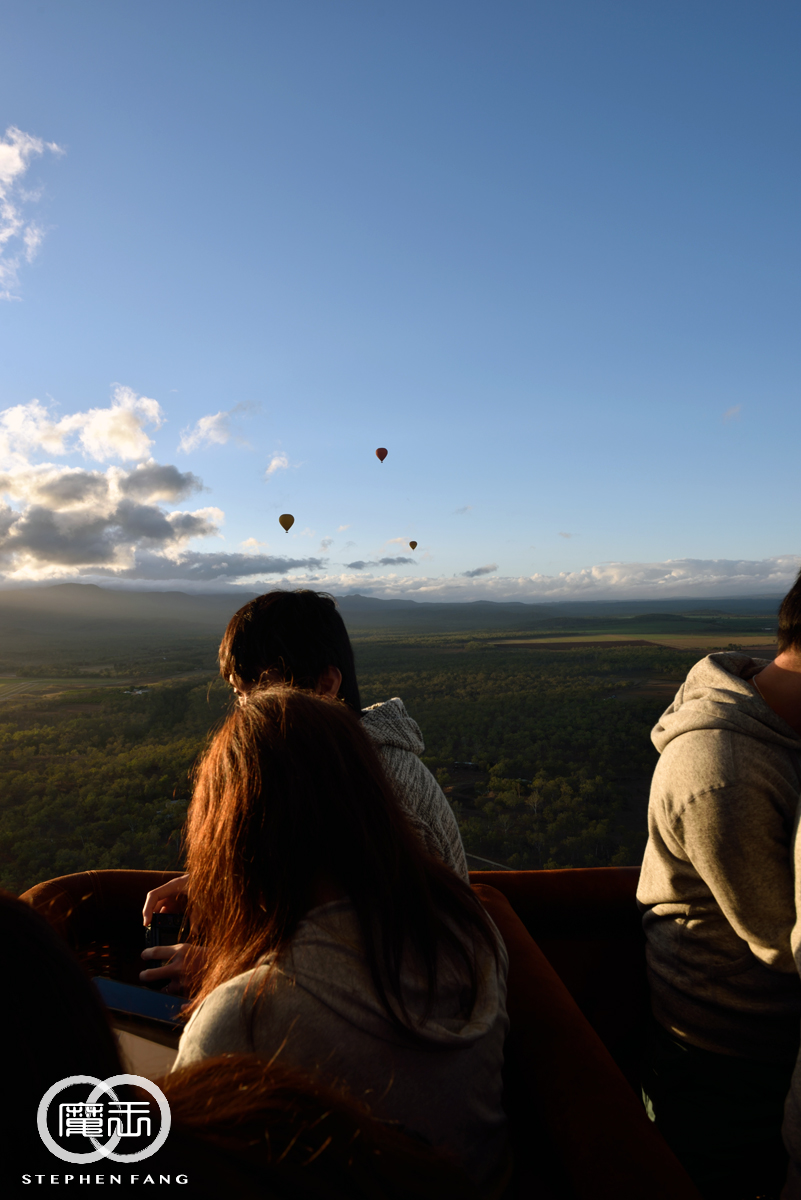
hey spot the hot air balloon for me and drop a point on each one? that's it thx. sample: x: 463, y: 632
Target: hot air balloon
x: 286, y: 521
x: 381, y: 453
x: 413, y: 545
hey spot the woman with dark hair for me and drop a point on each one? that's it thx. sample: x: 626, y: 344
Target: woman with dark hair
x: 239, y: 1125
x: 333, y: 940
x: 299, y: 638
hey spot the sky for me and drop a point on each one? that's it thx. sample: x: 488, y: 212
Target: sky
x: 546, y: 254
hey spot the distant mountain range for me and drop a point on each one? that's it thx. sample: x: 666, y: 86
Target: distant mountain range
x: 84, y: 607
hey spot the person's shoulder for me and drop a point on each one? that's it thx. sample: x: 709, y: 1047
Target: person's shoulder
x: 700, y: 760
x: 229, y: 994
x: 389, y: 725
x: 384, y: 710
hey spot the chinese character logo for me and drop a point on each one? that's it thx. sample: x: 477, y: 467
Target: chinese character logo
x: 111, y: 1110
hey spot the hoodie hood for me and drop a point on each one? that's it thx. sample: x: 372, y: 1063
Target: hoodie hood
x: 389, y: 724
x: 327, y: 960
x: 717, y: 694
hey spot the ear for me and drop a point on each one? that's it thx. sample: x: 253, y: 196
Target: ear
x: 329, y: 682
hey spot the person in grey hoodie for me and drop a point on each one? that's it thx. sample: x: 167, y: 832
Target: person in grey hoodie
x: 334, y: 943
x: 300, y: 638
x: 717, y: 897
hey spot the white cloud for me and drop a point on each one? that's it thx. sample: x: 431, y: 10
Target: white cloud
x: 732, y: 414
x: 326, y: 544
x: 565, y: 535
x: 20, y: 237
x: 278, y: 462
x: 251, y: 543
x: 214, y: 429
x: 71, y: 519
x: 117, y: 431
x: 342, y: 528
x: 100, y: 433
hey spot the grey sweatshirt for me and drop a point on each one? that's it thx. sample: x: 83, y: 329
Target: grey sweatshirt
x: 716, y: 888
x: 321, y: 1012
x: 399, y: 743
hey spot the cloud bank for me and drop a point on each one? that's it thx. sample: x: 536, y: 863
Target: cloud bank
x: 20, y: 236
x: 57, y: 518
x: 682, y: 578
x: 380, y: 562
x: 702, y: 578
x: 109, y: 514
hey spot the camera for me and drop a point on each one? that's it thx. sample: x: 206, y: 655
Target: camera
x: 166, y: 929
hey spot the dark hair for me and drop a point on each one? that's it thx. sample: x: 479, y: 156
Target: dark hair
x: 54, y: 1020
x: 290, y: 794
x: 790, y: 619
x: 298, y: 634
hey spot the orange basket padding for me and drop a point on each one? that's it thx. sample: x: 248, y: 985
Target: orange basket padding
x: 578, y: 1128
x: 99, y: 913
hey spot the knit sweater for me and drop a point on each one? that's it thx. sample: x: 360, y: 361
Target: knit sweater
x: 399, y: 743
x: 716, y: 888
x: 321, y: 1012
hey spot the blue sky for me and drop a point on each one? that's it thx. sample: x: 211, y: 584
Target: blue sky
x: 546, y: 254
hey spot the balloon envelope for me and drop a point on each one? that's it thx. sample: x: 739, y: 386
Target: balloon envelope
x: 381, y: 453
x: 413, y: 545
x: 286, y: 521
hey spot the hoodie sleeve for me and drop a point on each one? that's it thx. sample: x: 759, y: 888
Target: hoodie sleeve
x: 426, y: 806
x: 399, y: 742
x: 737, y: 841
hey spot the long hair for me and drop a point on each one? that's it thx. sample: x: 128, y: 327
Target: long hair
x: 297, y: 634
x: 306, y: 1139
x: 291, y: 794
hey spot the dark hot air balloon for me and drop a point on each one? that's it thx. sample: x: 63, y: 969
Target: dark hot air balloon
x: 286, y: 521
x: 413, y: 545
x: 381, y: 453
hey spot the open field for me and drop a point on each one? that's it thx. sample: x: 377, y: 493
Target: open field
x: 13, y: 686
x: 703, y: 643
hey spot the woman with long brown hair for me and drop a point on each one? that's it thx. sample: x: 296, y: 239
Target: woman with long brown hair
x: 333, y: 941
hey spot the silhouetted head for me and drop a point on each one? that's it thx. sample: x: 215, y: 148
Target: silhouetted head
x: 54, y: 1023
x: 790, y: 619
x: 295, y: 637
x: 291, y: 797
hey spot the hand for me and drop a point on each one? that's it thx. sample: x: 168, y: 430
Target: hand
x: 164, y: 899
x: 179, y: 966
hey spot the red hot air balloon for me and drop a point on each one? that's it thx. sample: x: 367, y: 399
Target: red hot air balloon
x: 381, y: 453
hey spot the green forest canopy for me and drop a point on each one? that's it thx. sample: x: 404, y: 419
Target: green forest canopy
x: 558, y: 739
